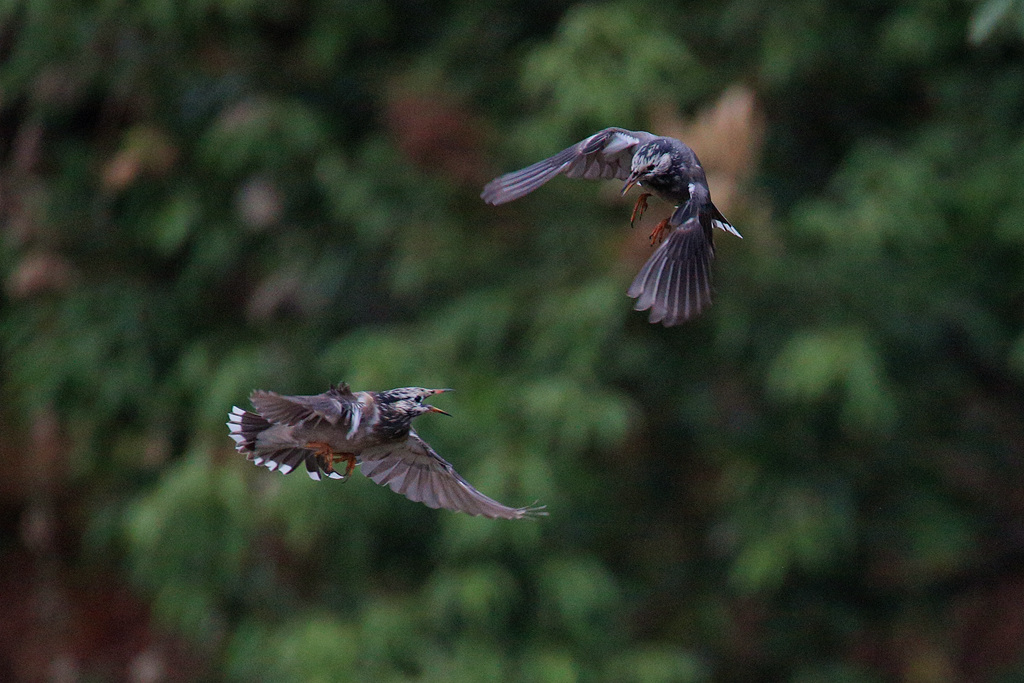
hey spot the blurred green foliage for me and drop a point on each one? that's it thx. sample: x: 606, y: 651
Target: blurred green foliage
x: 817, y: 480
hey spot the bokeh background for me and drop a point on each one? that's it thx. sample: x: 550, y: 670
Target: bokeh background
x: 821, y: 479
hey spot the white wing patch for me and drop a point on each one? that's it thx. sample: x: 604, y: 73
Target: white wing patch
x: 355, y: 416
x: 619, y: 142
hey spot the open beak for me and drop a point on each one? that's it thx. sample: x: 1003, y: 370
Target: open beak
x: 438, y: 410
x: 632, y: 180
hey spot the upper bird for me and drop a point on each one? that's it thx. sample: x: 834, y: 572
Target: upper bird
x: 367, y: 428
x: 675, y: 283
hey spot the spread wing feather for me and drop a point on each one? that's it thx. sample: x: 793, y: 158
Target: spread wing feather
x: 339, y: 407
x: 606, y: 154
x: 413, y: 469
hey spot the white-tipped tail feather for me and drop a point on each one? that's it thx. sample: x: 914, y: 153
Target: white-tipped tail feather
x: 245, y: 427
x: 675, y: 283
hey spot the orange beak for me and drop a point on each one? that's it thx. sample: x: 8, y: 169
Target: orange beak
x: 632, y: 180
x: 438, y: 410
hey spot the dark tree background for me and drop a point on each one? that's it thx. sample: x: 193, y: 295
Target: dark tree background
x: 821, y: 479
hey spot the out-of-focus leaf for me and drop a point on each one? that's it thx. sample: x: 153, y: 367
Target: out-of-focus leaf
x: 812, y: 364
x: 172, y: 225
x: 480, y: 597
x: 935, y: 538
x: 312, y: 647
x: 782, y: 529
x: 263, y: 133
x: 573, y: 416
x: 469, y: 659
x: 595, y: 68
x: 577, y: 597
x: 551, y: 666
x: 188, y: 540
x: 660, y: 664
x: 987, y: 17
x: 839, y: 673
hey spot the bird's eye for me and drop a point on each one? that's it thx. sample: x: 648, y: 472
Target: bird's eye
x: 419, y: 399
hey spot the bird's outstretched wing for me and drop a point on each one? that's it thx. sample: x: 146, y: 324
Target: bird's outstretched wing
x: 415, y: 470
x: 675, y: 283
x: 605, y: 154
x: 338, y: 407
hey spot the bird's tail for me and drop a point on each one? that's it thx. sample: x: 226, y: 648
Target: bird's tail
x: 675, y: 283
x: 245, y: 426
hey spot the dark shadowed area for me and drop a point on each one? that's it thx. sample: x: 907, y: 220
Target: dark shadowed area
x: 821, y: 478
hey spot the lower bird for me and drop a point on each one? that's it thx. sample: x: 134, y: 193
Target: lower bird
x: 675, y: 283
x: 372, y: 429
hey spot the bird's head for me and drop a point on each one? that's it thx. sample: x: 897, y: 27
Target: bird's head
x: 651, y: 160
x: 406, y: 403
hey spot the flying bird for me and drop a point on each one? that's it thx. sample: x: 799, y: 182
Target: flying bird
x: 372, y: 429
x: 675, y: 283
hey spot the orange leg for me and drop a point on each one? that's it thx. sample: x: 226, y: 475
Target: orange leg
x: 660, y: 230
x: 349, y: 459
x: 639, y: 208
x: 327, y: 458
x: 324, y: 455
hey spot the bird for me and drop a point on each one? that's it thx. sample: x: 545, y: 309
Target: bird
x: 371, y: 429
x: 675, y: 282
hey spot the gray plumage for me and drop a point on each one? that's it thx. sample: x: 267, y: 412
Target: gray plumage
x: 675, y: 283
x: 372, y: 430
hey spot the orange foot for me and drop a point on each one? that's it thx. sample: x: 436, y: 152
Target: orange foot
x: 350, y: 462
x: 660, y: 230
x: 639, y: 208
x: 326, y: 457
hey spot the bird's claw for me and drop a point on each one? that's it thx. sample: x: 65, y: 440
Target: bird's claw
x: 327, y: 458
x: 350, y: 463
x: 659, y: 232
x: 639, y: 208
